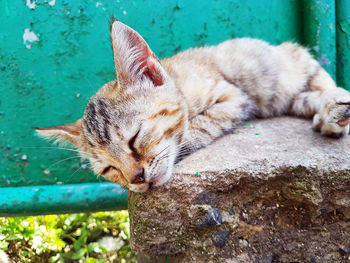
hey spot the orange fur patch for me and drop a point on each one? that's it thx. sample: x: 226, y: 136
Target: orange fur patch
x: 165, y: 112
x: 178, y: 126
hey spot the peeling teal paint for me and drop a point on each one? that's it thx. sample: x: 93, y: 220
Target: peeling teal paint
x: 343, y: 43
x: 319, y: 32
x: 345, y: 28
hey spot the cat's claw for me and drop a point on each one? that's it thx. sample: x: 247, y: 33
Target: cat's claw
x: 333, y: 119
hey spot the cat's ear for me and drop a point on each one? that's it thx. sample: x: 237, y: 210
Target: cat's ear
x: 69, y: 132
x: 133, y: 59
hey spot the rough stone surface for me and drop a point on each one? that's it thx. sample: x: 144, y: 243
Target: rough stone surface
x: 283, y: 193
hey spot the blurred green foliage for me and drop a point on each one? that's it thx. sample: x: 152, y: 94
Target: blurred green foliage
x: 67, y: 238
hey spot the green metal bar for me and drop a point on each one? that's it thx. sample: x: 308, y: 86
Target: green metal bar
x: 343, y: 43
x: 320, y: 32
x: 54, y: 199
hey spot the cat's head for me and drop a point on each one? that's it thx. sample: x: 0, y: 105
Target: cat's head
x: 132, y: 127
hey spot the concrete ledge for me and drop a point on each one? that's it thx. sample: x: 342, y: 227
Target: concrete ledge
x: 274, y: 191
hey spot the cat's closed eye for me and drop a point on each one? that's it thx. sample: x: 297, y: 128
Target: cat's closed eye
x: 132, y: 146
x: 108, y: 169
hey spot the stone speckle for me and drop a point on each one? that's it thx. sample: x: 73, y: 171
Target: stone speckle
x: 205, y: 198
x: 212, y: 218
x: 232, y: 212
x: 344, y: 251
x: 220, y: 238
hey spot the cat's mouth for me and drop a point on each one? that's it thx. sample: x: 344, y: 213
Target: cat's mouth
x: 158, y: 173
x: 156, y: 181
x: 148, y: 184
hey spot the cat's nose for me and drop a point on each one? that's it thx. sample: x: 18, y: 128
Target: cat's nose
x: 139, y: 178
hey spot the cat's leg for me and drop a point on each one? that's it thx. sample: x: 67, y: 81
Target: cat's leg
x: 232, y: 106
x: 326, y: 104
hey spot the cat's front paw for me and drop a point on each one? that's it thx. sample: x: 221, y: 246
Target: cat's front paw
x: 333, y: 118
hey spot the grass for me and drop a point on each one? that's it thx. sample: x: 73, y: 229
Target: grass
x: 67, y: 238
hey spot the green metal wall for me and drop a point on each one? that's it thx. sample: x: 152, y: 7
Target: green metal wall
x: 55, y: 55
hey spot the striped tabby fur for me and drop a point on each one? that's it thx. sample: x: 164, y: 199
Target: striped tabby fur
x: 134, y: 127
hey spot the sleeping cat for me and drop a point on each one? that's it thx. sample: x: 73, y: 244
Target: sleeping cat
x: 134, y: 128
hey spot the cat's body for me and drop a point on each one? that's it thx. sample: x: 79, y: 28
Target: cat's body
x: 270, y: 76
x: 134, y: 128
x: 248, y: 78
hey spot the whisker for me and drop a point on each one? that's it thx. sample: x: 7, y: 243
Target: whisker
x: 166, y: 156
x: 162, y: 156
x: 59, y: 148
x: 182, y: 149
x: 182, y: 152
x: 162, y: 150
x: 70, y: 177
x: 184, y: 143
x: 60, y: 161
x: 187, y: 145
x: 88, y: 166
